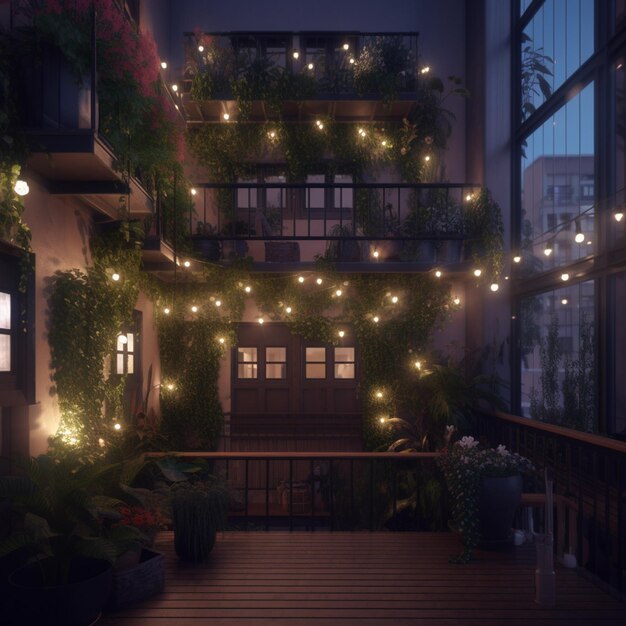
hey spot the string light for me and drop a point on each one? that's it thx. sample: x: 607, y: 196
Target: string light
x: 338, y: 293
x: 115, y: 277
x: 221, y: 340
x: 319, y: 281
x: 383, y: 143
x: 438, y: 273
x: 300, y: 279
x: 362, y: 132
x: 468, y: 197
x: 341, y: 333
x: 226, y: 116
x: 427, y: 158
x: 346, y: 46
x: 21, y: 187
x: 564, y: 276
x: 123, y: 339
x: 170, y: 386
x: 375, y: 254
x: 174, y: 87
x: 382, y: 420
x: 247, y: 289
x: 376, y: 319
x: 618, y: 216
x: 394, y: 299
x: 580, y: 236
x: 166, y: 310
x: 288, y: 310
x: 379, y: 394
x: 296, y: 54
x: 200, y: 48
x: 477, y: 272
x: 194, y: 191
x: 218, y: 303
x: 194, y: 309
x: 547, y: 250
x: 310, y: 66
x: 494, y: 287
x: 272, y: 134
x: 261, y: 320
x: 418, y: 365
x: 163, y: 65
x: 564, y: 301
x: 117, y: 426
x: 517, y: 258
x: 425, y: 70
x: 352, y: 61
x: 187, y: 264
x: 457, y: 301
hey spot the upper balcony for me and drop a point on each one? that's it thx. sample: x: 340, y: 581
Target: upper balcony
x: 260, y: 76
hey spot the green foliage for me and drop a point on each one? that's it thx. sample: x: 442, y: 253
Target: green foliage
x: 87, y: 312
x: 535, y: 68
x: 55, y: 512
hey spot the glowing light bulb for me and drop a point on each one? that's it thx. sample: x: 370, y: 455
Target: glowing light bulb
x: 187, y: 264
x: 226, y: 116
x: 310, y: 66
x: 170, y: 386
x: 477, y: 272
x: 379, y: 394
x: 457, y: 301
x: 427, y: 158
x: 174, y: 87
x: 288, y: 309
x: 319, y: 281
x: 123, y: 339
x: 425, y: 70
x: 247, y: 289
x: 346, y: 46
x: 261, y: 320
x: 564, y: 276
x: 438, y: 273
x: 382, y: 420
x: 218, y: 303
x: 300, y: 279
x: 117, y: 426
x: 468, y: 197
x: 376, y: 319
x: 338, y: 293
x: 547, y: 250
x: 579, y: 238
x: 200, y: 48
x: 564, y: 301
x: 375, y: 254
x: 517, y: 259
x: 394, y: 299
x: 21, y: 187
x: 163, y: 65
x: 341, y: 333
x: 115, y: 277
x: 194, y: 191
x: 383, y: 143
x: 619, y: 216
x: 194, y: 309
x: 296, y: 54
x: 272, y: 134
x: 494, y: 287
x: 166, y: 310
x: 221, y: 340
x: 418, y: 365
x: 352, y: 61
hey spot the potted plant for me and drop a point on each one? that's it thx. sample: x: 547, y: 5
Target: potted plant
x: 199, y: 510
x: 485, y: 487
x: 205, y: 241
x: 57, y: 523
x: 344, y: 249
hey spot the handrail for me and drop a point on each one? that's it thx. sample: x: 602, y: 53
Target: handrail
x: 337, y: 185
x: 590, y: 438
x: 408, y: 456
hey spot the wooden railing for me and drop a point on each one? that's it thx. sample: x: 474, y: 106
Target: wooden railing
x: 590, y: 488
x: 331, y: 490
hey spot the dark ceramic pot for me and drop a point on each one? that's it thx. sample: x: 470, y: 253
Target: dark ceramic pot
x: 498, y: 500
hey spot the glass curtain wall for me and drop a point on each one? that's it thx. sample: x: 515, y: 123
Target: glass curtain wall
x: 569, y: 211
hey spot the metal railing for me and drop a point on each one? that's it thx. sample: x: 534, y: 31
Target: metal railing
x: 329, y: 58
x: 308, y: 490
x: 590, y: 489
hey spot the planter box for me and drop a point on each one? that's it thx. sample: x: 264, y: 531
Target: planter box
x: 138, y: 582
x: 282, y: 251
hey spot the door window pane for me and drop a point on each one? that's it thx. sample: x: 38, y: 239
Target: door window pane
x: 558, y: 355
x: 315, y: 196
x: 276, y: 363
x: 246, y: 362
x: 5, y: 310
x: 344, y: 198
x: 315, y: 363
x: 619, y: 330
x: 344, y: 362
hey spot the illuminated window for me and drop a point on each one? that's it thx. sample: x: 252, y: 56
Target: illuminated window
x: 125, y: 354
x: 5, y: 332
x: 275, y: 363
x: 247, y: 363
x: 344, y: 362
x: 315, y: 365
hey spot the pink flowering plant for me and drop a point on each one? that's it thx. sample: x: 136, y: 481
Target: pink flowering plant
x: 464, y: 464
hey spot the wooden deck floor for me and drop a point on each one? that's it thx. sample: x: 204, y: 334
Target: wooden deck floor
x: 355, y: 579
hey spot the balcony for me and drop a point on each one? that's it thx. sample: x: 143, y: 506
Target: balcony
x: 361, y: 227
x: 68, y: 154
x: 295, y: 76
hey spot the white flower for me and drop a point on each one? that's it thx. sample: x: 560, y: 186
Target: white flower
x: 468, y: 442
x: 501, y: 449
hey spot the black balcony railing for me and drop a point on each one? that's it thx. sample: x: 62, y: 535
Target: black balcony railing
x: 330, y: 490
x: 589, y: 475
x: 371, y: 216
x: 331, y: 63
